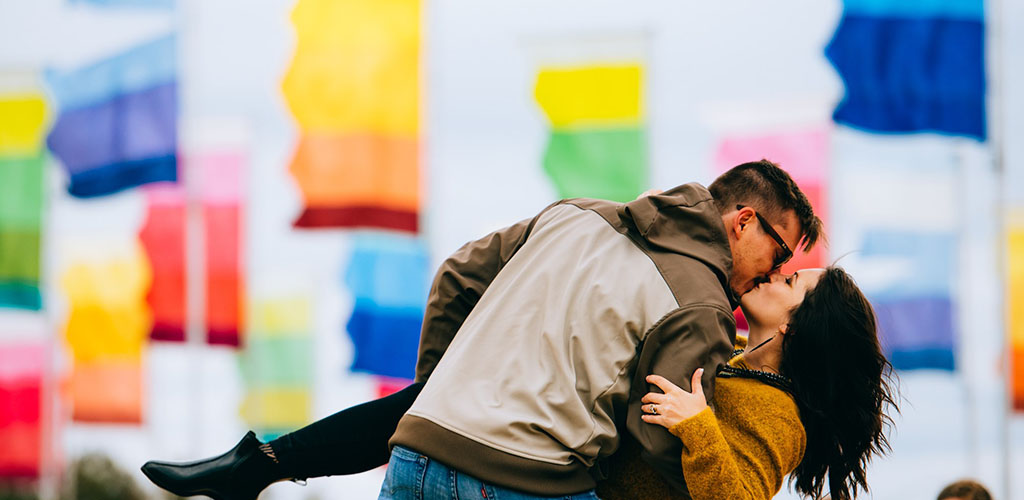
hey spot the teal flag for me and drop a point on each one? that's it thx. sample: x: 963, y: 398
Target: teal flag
x: 21, y: 205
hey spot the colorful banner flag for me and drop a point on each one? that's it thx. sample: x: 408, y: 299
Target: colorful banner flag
x: 107, y: 325
x: 354, y: 88
x: 117, y: 126
x: 389, y: 279
x: 277, y: 365
x: 906, y: 260
x: 221, y: 176
x: 107, y: 391
x: 24, y: 115
x: 804, y: 155
x: 914, y: 304
x: 22, y: 160
x: 163, y: 236
x: 1015, y: 305
x: 598, y: 142
x: 911, y: 66
x: 22, y: 367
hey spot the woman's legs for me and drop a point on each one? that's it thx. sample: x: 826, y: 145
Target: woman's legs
x: 352, y: 440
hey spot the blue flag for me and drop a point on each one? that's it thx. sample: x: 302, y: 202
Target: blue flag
x: 915, y: 307
x: 912, y: 66
x: 389, y: 279
x: 118, y: 120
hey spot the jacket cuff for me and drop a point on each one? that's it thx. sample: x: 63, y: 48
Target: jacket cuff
x: 693, y: 429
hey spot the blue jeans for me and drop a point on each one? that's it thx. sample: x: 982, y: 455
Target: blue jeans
x: 412, y: 476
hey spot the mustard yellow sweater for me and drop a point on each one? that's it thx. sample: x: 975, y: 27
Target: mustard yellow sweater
x: 742, y: 451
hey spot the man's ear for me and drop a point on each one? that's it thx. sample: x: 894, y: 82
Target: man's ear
x: 743, y: 218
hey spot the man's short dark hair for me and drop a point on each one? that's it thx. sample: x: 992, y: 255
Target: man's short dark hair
x: 965, y: 489
x: 765, y: 187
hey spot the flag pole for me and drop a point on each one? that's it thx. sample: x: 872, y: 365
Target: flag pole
x: 52, y: 411
x: 995, y: 81
x: 195, y: 263
x: 964, y: 365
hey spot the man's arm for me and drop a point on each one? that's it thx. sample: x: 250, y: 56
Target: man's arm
x: 697, y: 336
x: 458, y: 285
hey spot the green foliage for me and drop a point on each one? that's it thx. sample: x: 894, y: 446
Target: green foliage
x: 96, y: 477
x: 17, y: 491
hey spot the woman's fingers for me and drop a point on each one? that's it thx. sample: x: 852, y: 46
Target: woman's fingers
x: 654, y: 419
x: 675, y: 405
x: 663, y: 383
x: 695, y: 386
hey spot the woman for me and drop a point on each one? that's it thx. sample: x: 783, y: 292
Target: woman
x: 807, y: 399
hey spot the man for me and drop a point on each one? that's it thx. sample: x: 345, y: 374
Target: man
x: 965, y: 489
x: 548, y: 328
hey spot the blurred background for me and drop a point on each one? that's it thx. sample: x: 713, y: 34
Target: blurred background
x: 224, y: 215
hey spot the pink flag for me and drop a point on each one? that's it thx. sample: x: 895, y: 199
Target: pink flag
x: 163, y: 236
x: 21, y: 409
x: 804, y: 154
x: 221, y: 177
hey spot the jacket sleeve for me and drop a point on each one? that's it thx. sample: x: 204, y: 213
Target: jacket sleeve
x: 690, y: 337
x: 715, y: 468
x: 458, y: 285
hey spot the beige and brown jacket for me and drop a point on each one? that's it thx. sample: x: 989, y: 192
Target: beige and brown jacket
x: 548, y: 328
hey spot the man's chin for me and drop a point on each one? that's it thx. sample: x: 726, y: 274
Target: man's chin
x: 741, y: 291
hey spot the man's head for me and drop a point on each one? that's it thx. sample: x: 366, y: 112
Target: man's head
x: 764, y: 212
x: 965, y: 490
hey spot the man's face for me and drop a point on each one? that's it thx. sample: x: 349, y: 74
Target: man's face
x: 754, y: 252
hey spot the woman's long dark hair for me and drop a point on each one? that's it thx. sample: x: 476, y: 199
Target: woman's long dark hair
x: 841, y: 383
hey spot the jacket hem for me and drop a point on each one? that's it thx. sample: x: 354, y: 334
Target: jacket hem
x: 488, y: 464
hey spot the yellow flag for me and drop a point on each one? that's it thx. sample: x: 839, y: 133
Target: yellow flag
x: 1014, y: 300
x: 277, y: 408
x: 108, y: 317
x: 356, y: 66
x: 282, y: 317
x: 598, y: 96
x: 21, y: 124
x: 1015, y: 283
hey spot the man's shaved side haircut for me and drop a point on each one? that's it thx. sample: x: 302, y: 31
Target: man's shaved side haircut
x: 765, y: 187
x: 966, y: 489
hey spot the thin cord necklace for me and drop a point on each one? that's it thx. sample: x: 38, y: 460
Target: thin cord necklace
x: 737, y: 352
x: 772, y: 379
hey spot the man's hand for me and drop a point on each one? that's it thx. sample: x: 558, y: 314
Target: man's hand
x: 675, y: 405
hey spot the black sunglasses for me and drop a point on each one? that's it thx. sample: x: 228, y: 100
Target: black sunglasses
x: 786, y: 252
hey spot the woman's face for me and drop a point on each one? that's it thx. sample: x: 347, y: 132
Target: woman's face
x: 768, y: 305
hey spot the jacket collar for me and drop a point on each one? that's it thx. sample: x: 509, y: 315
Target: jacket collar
x: 685, y: 220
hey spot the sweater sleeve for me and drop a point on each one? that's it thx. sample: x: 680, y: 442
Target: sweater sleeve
x: 716, y: 470
x: 695, y: 336
x: 458, y: 285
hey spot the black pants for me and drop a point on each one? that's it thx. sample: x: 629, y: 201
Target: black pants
x: 353, y: 440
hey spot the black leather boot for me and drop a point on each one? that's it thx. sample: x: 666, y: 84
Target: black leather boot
x: 240, y: 474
